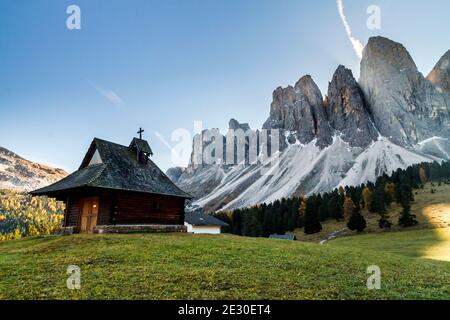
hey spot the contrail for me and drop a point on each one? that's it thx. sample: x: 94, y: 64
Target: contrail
x: 357, y: 45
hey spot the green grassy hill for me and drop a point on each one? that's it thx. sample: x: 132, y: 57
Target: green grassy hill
x: 182, y: 266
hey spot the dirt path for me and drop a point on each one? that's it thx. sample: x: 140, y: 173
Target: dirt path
x: 333, y: 235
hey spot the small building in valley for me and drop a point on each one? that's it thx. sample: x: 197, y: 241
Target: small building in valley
x: 290, y: 237
x: 117, y: 189
x: 200, y: 223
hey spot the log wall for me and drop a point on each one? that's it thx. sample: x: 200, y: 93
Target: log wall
x: 148, y: 209
x: 117, y: 207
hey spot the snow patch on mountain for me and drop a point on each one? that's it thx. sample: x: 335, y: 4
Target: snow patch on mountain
x: 381, y: 157
x: 307, y: 169
x: 299, y: 169
x: 436, y: 146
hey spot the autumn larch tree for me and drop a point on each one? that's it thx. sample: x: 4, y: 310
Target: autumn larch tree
x: 349, y: 208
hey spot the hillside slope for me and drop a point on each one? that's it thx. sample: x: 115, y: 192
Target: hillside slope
x: 182, y: 266
x: 20, y: 174
x: 432, y: 211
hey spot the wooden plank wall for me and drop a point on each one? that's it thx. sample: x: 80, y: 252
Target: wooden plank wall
x: 130, y: 208
x: 105, y: 209
x: 73, y: 212
x: 149, y: 209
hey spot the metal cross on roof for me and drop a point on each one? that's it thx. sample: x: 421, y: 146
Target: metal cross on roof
x: 140, y: 132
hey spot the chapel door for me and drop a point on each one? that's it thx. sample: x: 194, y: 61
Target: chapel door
x: 89, y: 214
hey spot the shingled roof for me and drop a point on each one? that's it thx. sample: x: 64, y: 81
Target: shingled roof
x: 120, y: 170
x: 283, y: 236
x: 199, y: 219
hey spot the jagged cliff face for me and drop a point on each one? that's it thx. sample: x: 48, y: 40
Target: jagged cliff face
x: 20, y: 174
x: 392, y: 118
x: 347, y: 111
x: 299, y: 111
x: 440, y: 75
x: 406, y: 107
x: 201, y: 177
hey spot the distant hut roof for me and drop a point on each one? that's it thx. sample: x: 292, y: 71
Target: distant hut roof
x: 199, y: 219
x: 283, y: 236
x: 119, y: 169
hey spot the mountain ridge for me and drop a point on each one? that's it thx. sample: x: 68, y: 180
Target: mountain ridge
x: 391, y: 118
x: 20, y: 174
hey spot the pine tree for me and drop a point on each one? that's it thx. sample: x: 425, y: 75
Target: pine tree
x: 292, y: 222
x: 292, y: 215
x: 407, y: 219
x: 236, y: 222
x: 357, y: 221
x: 405, y: 194
x: 251, y: 227
x: 384, y: 222
x: 323, y: 211
x: 334, y: 207
x: 389, y: 190
x: 278, y: 218
x: 268, y: 220
x: 378, y: 202
x: 311, y: 218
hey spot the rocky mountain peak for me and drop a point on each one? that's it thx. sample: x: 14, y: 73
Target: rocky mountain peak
x: 299, y: 111
x: 440, y: 75
x: 347, y: 111
x: 343, y: 75
x: 235, y: 125
x: 388, y: 55
x: 310, y: 90
x: 406, y: 108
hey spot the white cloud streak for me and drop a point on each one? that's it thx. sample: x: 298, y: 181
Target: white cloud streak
x: 357, y: 45
x: 109, y: 95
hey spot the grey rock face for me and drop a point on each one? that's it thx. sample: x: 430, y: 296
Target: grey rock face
x: 175, y: 173
x: 440, y: 75
x: 405, y: 106
x: 346, y: 110
x: 311, y: 91
x: 235, y: 125
x: 202, y: 176
x: 204, y: 148
x: 300, y: 109
x: 200, y: 181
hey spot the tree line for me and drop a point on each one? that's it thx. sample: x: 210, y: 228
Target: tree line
x: 341, y: 204
x: 21, y: 215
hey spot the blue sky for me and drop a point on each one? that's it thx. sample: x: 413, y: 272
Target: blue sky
x: 162, y: 64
